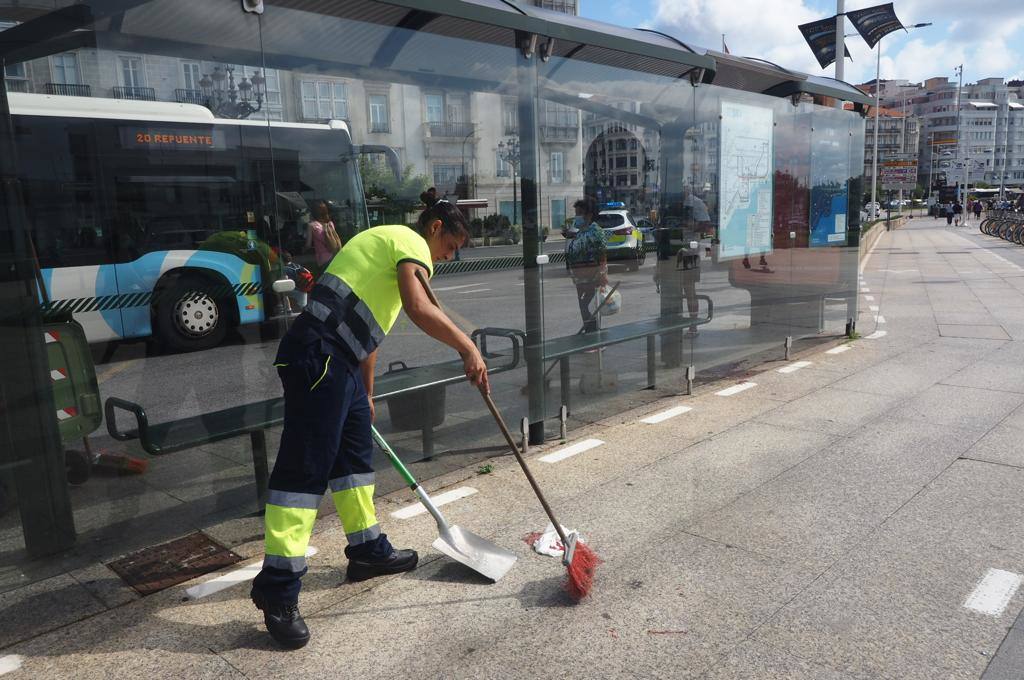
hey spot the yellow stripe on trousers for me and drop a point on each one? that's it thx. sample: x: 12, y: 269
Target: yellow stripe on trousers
x: 288, y: 530
x: 355, y: 508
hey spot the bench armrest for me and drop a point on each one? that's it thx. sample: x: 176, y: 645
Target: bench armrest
x: 518, y: 338
x: 711, y: 309
x: 142, y: 421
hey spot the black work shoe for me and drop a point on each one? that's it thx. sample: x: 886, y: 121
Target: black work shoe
x: 395, y: 563
x: 284, y: 623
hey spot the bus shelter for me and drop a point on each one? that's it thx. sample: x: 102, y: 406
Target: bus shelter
x: 141, y: 140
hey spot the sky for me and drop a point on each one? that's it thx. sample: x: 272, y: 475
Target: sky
x: 986, y: 36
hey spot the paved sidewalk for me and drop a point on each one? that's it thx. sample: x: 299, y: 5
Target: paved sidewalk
x: 829, y: 522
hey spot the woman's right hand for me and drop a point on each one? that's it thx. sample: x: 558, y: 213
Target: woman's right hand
x: 476, y: 369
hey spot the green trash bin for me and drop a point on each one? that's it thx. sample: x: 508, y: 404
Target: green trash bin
x: 76, y: 393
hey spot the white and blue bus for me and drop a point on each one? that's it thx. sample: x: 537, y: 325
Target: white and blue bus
x: 158, y: 219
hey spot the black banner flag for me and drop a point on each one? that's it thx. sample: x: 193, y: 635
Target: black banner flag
x: 873, y: 23
x: 821, y: 37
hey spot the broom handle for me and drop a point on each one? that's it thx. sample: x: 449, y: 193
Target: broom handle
x: 522, y: 463
x: 504, y: 430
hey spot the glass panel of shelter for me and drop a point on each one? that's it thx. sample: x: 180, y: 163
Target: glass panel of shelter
x: 151, y: 225
x: 446, y: 129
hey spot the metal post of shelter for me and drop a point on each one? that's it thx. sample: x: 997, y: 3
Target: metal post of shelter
x: 533, y: 288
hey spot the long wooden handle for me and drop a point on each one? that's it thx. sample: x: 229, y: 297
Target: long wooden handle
x: 493, y: 408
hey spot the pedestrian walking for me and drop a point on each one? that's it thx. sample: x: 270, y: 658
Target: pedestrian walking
x: 587, y: 255
x: 958, y: 210
x: 326, y: 365
x: 948, y: 210
x: 977, y: 210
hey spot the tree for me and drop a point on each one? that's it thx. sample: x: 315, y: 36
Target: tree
x: 385, y: 192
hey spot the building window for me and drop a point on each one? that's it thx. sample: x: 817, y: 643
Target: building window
x: 380, y: 118
x: 557, y: 166
x: 510, y: 118
x: 435, y: 108
x: 191, y: 72
x: 131, y: 72
x: 502, y: 168
x: 632, y: 180
x: 324, y: 100
x: 17, y: 71
x: 446, y: 174
x: 65, y: 68
x: 632, y: 161
x: 557, y: 213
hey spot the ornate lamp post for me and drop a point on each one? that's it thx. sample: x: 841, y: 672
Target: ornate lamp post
x: 508, y: 151
x: 230, y: 100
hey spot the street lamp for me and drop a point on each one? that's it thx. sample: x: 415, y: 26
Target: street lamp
x: 878, y: 102
x: 508, y: 151
x: 231, y: 100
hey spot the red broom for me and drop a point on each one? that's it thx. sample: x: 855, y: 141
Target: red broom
x: 579, y: 559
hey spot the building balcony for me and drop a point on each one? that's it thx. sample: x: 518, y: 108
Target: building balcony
x: 566, y: 178
x: 450, y: 130
x: 18, y: 85
x: 183, y: 96
x: 147, y: 94
x: 380, y: 127
x: 68, y: 90
x: 559, y: 133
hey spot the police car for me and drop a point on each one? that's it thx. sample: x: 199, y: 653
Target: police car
x: 625, y: 240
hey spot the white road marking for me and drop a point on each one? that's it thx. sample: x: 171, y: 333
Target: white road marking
x: 665, y: 415
x: 876, y: 335
x: 219, y: 583
x: 865, y: 289
x: 795, y: 366
x: 838, y: 350
x: 476, y: 290
x: 465, y: 285
x: 993, y: 592
x: 445, y: 498
x: 11, y: 662
x: 869, y: 298
x: 571, y: 450
x: 736, y: 389
x: 873, y: 308
x: 879, y: 319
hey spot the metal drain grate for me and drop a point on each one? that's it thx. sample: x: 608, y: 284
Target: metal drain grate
x: 161, y: 566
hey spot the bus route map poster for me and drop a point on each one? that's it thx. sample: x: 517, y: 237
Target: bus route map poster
x: 745, y: 164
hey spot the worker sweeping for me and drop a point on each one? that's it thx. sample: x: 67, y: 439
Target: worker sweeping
x: 326, y: 364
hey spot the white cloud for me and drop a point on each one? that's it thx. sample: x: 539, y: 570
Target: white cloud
x: 989, y: 43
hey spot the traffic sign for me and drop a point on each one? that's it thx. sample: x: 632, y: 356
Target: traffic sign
x: 899, y: 171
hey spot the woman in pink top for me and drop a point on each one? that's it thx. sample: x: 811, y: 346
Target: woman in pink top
x: 322, y: 235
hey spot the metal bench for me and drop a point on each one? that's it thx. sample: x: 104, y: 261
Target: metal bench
x: 255, y: 418
x: 561, y: 349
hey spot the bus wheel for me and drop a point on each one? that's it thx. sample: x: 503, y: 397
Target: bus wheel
x: 190, y: 316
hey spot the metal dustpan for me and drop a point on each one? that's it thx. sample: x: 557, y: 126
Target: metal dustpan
x: 461, y: 545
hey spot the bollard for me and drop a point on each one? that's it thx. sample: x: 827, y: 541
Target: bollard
x: 563, y: 421
x: 524, y: 430
x: 691, y: 374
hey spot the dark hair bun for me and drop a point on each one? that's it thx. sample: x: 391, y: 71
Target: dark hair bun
x: 428, y: 199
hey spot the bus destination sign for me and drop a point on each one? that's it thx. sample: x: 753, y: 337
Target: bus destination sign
x: 133, y: 137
